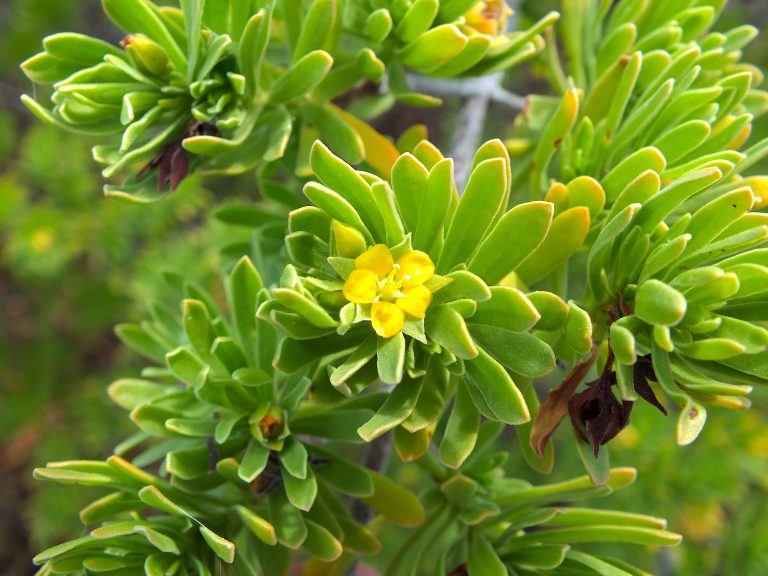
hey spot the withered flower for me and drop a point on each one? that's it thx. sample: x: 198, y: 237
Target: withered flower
x: 596, y: 414
x: 643, y: 370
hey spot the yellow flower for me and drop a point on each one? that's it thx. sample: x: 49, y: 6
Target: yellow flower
x: 394, y: 289
x: 488, y: 17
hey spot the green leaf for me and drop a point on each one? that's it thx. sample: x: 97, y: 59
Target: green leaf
x: 184, y: 364
x: 129, y: 393
x: 476, y: 212
x: 476, y: 48
x: 461, y: 431
x: 578, y: 329
x: 390, y: 358
x: 445, y: 326
x: 682, y: 139
x: 565, y: 236
x: 598, y: 467
x: 337, y: 132
x: 260, y: 528
x: 254, y: 461
x: 497, y: 256
x: 223, y: 548
x: 339, y: 424
x: 713, y: 349
x: 198, y: 326
x: 671, y: 196
x: 659, y: 304
x: 293, y: 457
x: 394, y: 502
x: 483, y: 560
x: 290, y: 528
x: 630, y: 168
x: 497, y: 388
x: 508, y: 308
x: 140, y: 340
x: 598, y: 566
x: 627, y: 534
x: 554, y: 312
x: 397, y: 407
x: 79, y: 48
x: 435, y: 203
x: 301, y: 492
x: 433, y: 48
x: 336, y: 207
x: 306, y: 308
x: 301, y: 77
x: 411, y: 445
x: 555, y: 131
x: 378, y: 25
x: 409, y: 183
x: 193, y: 20
x: 522, y: 353
x: 321, y: 543
x: 351, y: 186
x: 342, y: 474
x: 253, y: 45
x: 417, y: 20
x: 152, y: 496
x: 623, y: 344
x: 317, y: 27
x: 462, y: 285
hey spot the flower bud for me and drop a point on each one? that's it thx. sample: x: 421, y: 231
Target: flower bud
x: 147, y: 55
x: 488, y: 17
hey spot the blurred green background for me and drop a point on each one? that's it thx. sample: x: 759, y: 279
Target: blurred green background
x: 74, y: 264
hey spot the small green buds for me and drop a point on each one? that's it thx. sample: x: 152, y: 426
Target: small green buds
x: 148, y: 56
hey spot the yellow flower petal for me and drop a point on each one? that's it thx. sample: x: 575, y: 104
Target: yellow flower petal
x: 386, y: 318
x: 416, y: 301
x: 376, y: 259
x: 415, y: 268
x: 361, y: 287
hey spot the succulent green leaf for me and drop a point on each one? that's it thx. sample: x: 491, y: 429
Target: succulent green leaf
x: 483, y: 560
x: 433, y: 48
x: 461, y: 431
x: 497, y: 389
x: 659, y: 304
x: 379, y: 25
x: 417, y: 19
x: 260, y: 527
x: 290, y: 527
x: 317, y: 27
x: 476, y: 212
x: 301, y: 492
x: 496, y: 257
x: 390, y: 358
x: 522, y: 353
x: 445, y: 326
x: 565, y: 236
x: 394, y: 502
x: 301, y: 77
x: 435, y: 202
x: 397, y: 407
x: 321, y: 543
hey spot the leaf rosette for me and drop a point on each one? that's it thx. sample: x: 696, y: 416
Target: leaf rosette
x: 401, y: 282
